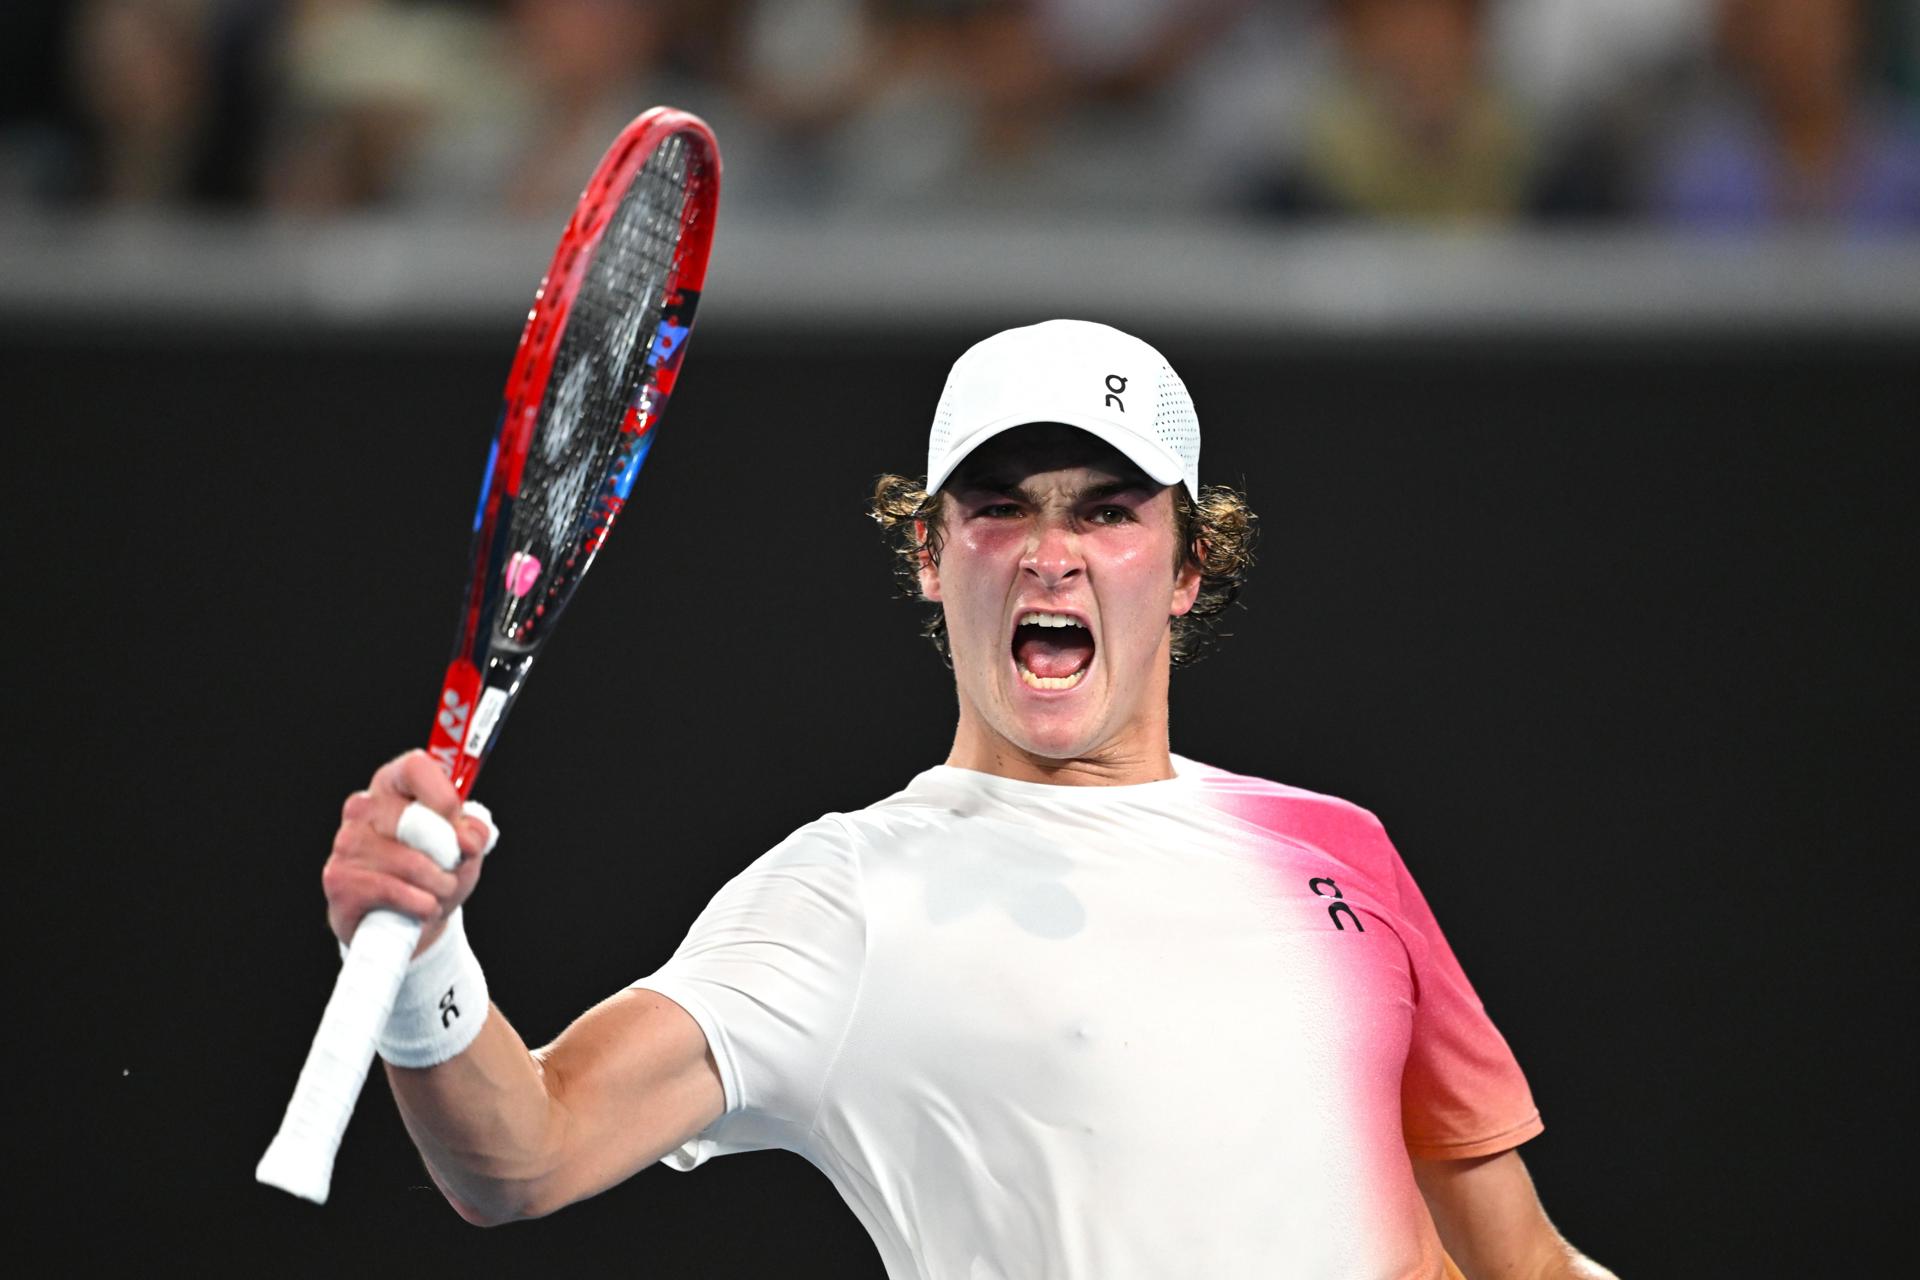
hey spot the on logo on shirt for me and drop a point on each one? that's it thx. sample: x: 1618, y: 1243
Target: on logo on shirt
x: 1335, y: 908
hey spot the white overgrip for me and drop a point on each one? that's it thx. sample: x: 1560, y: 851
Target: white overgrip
x: 300, y: 1157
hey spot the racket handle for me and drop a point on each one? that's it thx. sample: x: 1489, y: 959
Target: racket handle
x: 300, y: 1157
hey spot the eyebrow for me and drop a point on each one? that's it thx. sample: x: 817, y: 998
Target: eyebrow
x: 1092, y: 493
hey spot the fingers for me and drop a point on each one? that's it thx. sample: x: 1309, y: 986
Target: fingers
x: 421, y: 828
x: 416, y: 776
x: 377, y: 846
x: 354, y: 889
x: 377, y: 859
x: 477, y: 821
x: 358, y: 807
x: 474, y: 827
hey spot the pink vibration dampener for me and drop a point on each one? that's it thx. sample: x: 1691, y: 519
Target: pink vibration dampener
x: 523, y: 571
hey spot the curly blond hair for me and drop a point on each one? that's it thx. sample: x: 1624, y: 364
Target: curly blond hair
x: 1216, y: 536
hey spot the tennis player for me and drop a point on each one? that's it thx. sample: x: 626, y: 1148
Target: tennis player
x: 1067, y: 1005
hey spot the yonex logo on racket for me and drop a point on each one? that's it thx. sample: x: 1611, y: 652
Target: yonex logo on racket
x: 452, y: 721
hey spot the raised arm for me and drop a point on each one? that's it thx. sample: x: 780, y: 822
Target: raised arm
x: 1492, y: 1224
x: 509, y: 1134
x: 505, y: 1132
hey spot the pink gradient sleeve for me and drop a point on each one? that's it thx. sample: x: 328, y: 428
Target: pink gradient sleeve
x: 1462, y: 1093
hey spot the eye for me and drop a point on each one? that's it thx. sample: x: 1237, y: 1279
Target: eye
x: 997, y: 510
x: 1111, y: 515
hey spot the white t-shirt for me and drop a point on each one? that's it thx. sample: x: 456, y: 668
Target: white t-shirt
x: 1182, y: 1028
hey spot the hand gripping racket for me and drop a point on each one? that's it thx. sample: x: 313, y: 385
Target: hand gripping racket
x: 596, y: 363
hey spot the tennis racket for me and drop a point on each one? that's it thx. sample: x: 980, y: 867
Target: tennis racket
x: 597, y: 361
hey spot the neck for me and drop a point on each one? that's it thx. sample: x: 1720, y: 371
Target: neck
x: 1135, y: 752
x: 1117, y: 766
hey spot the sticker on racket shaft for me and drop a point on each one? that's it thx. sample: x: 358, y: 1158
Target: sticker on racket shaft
x: 597, y: 361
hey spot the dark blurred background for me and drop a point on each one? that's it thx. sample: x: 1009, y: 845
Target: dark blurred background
x: 1567, y: 350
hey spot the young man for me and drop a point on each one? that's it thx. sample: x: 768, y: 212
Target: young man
x: 1068, y: 1005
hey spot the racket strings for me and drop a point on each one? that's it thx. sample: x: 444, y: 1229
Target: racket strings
x: 599, y: 370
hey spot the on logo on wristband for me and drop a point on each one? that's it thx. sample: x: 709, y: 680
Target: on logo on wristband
x: 429, y: 1022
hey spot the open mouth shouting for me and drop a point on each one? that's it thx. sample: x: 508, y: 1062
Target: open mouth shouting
x: 1052, y: 651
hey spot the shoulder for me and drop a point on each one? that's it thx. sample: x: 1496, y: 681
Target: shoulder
x: 843, y: 841
x: 1214, y: 780
x: 829, y: 838
x: 1326, y: 821
x: 816, y: 863
x: 933, y: 800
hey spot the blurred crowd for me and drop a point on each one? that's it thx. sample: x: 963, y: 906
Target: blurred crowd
x: 1720, y: 113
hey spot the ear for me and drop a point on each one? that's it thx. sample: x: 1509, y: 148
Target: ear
x: 929, y: 568
x: 1186, y: 581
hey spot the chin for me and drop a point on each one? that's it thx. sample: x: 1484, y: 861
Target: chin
x: 1053, y: 738
x: 1061, y: 749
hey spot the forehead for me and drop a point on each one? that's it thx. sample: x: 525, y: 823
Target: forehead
x: 1016, y: 454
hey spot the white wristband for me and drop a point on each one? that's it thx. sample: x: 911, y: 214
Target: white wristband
x: 442, y: 1003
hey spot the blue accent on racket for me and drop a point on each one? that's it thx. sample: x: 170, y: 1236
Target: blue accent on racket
x: 623, y: 483
x: 486, y: 484
x: 666, y: 340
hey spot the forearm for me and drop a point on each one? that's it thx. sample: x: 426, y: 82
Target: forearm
x: 1573, y: 1265
x: 485, y: 1123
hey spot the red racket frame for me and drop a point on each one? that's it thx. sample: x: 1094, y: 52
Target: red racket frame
x: 475, y: 658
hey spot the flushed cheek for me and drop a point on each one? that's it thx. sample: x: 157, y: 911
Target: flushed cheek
x: 1136, y: 564
x: 979, y: 566
x: 975, y: 605
x: 1134, y: 605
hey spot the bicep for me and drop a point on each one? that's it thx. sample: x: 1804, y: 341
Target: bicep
x: 1489, y: 1216
x: 630, y: 1080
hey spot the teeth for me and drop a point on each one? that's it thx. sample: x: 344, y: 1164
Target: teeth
x: 1051, y: 682
x: 1050, y: 620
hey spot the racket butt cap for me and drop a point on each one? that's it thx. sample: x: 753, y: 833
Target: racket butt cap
x: 296, y: 1167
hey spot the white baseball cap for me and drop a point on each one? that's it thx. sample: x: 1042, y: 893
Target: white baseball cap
x: 1085, y: 375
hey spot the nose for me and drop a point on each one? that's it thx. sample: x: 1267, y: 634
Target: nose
x: 1053, y: 554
